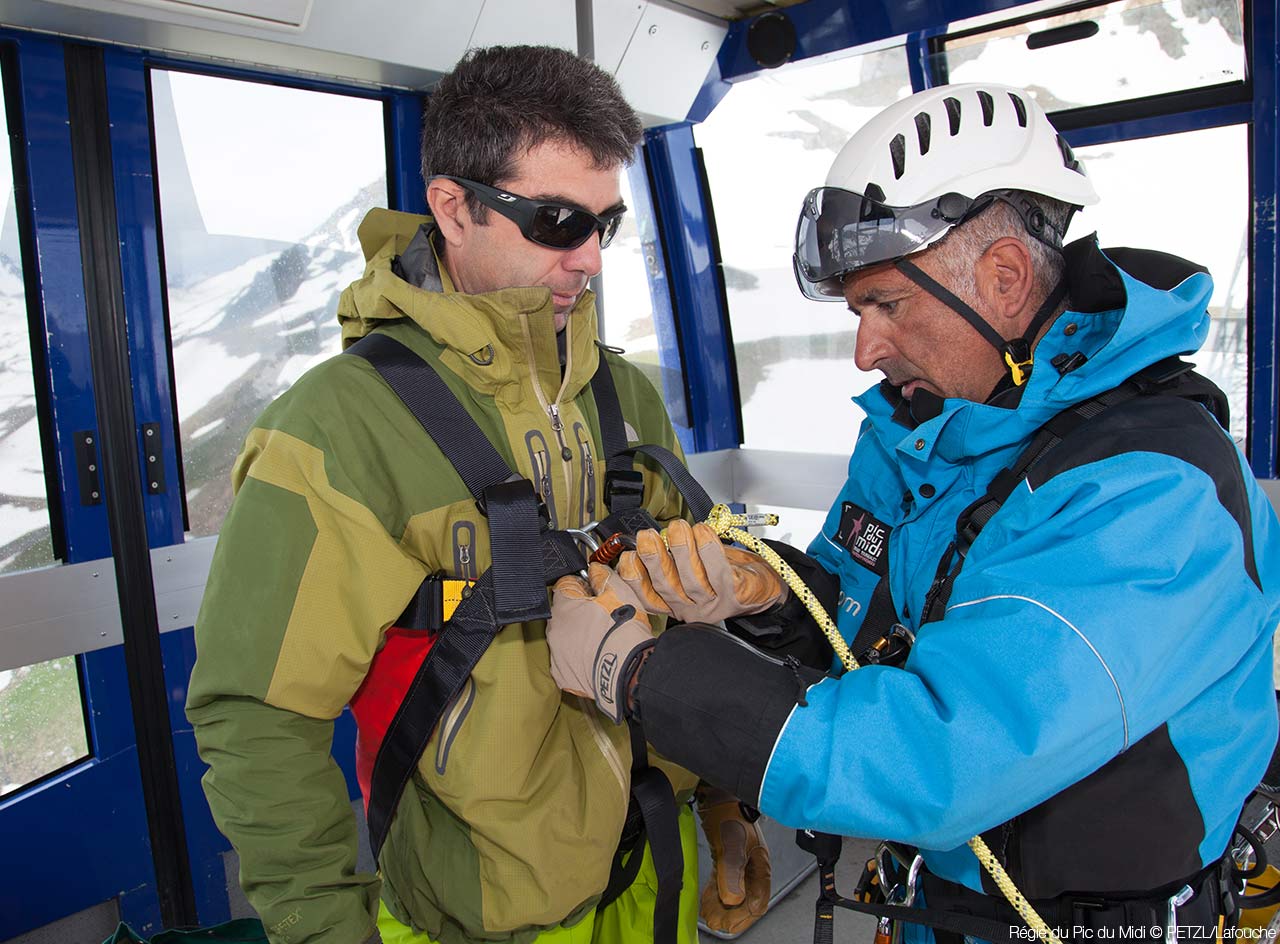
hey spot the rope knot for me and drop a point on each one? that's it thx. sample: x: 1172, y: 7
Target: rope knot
x: 721, y: 519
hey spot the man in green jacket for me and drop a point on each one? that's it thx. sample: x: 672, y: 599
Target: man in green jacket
x: 508, y: 827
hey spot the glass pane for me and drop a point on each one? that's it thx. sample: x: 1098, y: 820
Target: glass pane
x: 634, y: 284
x: 41, y: 722
x: 1134, y: 180
x: 1140, y: 47
x: 24, y: 507
x: 770, y: 142
x: 261, y: 191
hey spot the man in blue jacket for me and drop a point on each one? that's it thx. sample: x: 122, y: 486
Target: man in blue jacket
x: 1074, y: 622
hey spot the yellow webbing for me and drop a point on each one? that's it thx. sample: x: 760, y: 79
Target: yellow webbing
x: 728, y: 525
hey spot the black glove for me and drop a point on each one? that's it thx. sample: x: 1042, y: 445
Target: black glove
x: 789, y: 629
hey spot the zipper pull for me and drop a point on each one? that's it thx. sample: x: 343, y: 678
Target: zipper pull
x: 557, y: 425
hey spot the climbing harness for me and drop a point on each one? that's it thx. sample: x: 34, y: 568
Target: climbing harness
x: 433, y: 647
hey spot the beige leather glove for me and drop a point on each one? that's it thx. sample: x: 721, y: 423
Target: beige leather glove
x: 596, y: 635
x: 737, y: 893
x: 697, y: 578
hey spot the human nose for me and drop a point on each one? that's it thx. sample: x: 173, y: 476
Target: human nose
x: 871, y: 345
x: 586, y: 258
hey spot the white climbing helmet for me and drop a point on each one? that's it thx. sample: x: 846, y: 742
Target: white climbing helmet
x: 924, y: 165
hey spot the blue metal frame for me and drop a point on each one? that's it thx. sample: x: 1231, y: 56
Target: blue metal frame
x: 177, y: 63
x: 138, y: 223
x: 105, y: 792
x: 824, y: 27
x: 664, y: 323
x: 919, y: 65
x: 1162, y: 125
x: 113, y: 853
x: 1264, y: 357
x: 405, y: 187
x: 701, y: 316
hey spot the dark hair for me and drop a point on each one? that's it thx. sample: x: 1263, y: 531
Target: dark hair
x: 503, y: 100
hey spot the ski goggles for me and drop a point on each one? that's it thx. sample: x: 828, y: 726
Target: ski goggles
x: 840, y: 231
x: 554, y: 225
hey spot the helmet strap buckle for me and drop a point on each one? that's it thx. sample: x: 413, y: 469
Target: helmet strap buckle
x: 1019, y: 359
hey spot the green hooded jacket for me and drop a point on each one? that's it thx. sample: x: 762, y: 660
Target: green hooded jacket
x: 343, y: 505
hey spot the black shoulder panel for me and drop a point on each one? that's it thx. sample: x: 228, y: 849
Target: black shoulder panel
x: 1133, y: 820
x: 1160, y: 270
x: 1167, y: 425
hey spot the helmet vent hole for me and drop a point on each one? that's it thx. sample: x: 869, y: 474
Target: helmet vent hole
x: 953, y: 115
x: 924, y: 125
x: 1021, y: 108
x: 988, y: 107
x: 874, y: 192
x: 1068, y: 156
x: 898, y: 154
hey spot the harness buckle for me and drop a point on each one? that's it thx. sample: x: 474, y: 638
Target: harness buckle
x: 513, y: 483
x: 626, y: 484
x: 966, y: 533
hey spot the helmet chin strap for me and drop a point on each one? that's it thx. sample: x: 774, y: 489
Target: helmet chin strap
x: 1016, y: 352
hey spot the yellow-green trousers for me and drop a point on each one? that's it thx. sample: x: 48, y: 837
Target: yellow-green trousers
x: 626, y: 921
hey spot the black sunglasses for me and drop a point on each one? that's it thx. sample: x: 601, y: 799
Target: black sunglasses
x: 554, y: 225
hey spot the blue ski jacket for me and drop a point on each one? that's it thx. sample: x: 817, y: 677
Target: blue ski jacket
x: 1129, y: 600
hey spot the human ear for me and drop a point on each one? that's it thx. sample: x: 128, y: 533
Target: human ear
x: 1005, y: 278
x: 448, y: 205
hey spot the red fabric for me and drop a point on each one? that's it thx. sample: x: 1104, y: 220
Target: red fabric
x: 378, y: 699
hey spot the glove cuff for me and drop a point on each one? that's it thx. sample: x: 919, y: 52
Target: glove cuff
x: 616, y: 658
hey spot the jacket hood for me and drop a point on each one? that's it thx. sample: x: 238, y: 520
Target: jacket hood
x: 1129, y: 308
x: 493, y: 340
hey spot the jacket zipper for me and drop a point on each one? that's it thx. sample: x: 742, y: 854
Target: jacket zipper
x: 552, y: 409
x: 610, y: 752
x: 463, y: 545
x: 588, y: 503
x: 454, y: 716
x: 566, y: 455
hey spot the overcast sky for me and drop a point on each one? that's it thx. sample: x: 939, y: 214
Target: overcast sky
x: 273, y: 162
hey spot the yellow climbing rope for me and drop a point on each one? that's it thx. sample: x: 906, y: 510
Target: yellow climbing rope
x: 726, y: 524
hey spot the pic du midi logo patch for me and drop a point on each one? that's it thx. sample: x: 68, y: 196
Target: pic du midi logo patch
x: 865, y: 537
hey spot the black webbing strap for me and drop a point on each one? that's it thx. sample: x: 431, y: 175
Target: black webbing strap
x: 526, y: 557
x: 881, y: 615
x: 951, y: 300
x: 515, y: 529
x: 628, y: 521
x: 426, y: 609
x: 436, y: 407
x: 695, y: 497
x: 976, y: 517
x: 442, y: 674
x: 826, y: 848
x: 652, y: 799
x: 613, y: 430
x: 973, y: 926
x: 627, y: 857
x: 448, y: 664
x: 657, y: 803
x: 624, y: 487
x: 505, y: 498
